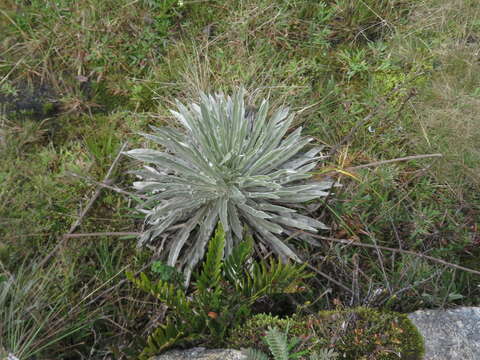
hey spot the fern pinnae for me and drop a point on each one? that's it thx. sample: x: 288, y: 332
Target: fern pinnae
x: 277, y: 342
x: 253, y: 354
x: 211, y: 271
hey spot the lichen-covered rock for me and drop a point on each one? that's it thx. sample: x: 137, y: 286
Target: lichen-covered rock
x: 200, y: 353
x: 449, y: 334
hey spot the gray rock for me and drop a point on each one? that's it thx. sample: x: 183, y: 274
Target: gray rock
x: 452, y: 334
x: 200, y: 353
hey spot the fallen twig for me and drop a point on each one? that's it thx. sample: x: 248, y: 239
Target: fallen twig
x: 107, y: 186
x: 383, y: 162
x: 87, y: 208
x: 113, y: 233
x: 118, y: 233
x: 329, y: 278
x: 106, y: 179
x: 398, y: 251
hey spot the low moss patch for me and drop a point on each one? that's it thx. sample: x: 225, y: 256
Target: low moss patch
x: 357, y: 334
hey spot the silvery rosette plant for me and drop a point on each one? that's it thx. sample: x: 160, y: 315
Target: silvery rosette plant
x: 228, y: 165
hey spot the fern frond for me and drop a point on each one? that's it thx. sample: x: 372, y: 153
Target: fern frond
x: 253, y: 354
x: 164, y: 337
x: 234, y: 266
x: 324, y: 354
x: 277, y: 343
x: 276, y: 277
x: 164, y: 291
x: 210, y: 275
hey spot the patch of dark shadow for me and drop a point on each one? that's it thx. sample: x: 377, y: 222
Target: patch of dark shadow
x: 30, y: 102
x: 275, y: 304
x: 37, y: 102
x: 472, y: 39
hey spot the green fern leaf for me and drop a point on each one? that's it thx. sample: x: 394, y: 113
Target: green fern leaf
x: 324, y: 354
x: 253, y: 354
x: 222, y: 296
x: 164, y: 291
x: 274, y: 277
x: 234, y: 266
x: 164, y: 337
x: 211, y: 273
x: 277, y: 343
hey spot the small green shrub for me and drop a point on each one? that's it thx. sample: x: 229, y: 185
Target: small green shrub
x: 359, y: 333
x: 222, y: 296
x: 231, y: 166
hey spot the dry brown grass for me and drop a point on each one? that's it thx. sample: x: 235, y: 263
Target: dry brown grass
x: 446, y: 35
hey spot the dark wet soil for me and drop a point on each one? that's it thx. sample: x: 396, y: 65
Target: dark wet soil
x: 35, y: 102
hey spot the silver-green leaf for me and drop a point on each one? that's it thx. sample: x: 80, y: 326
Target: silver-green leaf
x: 230, y: 165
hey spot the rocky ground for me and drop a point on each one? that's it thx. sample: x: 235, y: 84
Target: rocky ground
x: 452, y: 334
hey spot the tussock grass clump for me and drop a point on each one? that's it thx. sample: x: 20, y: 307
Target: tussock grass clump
x: 35, y: 316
